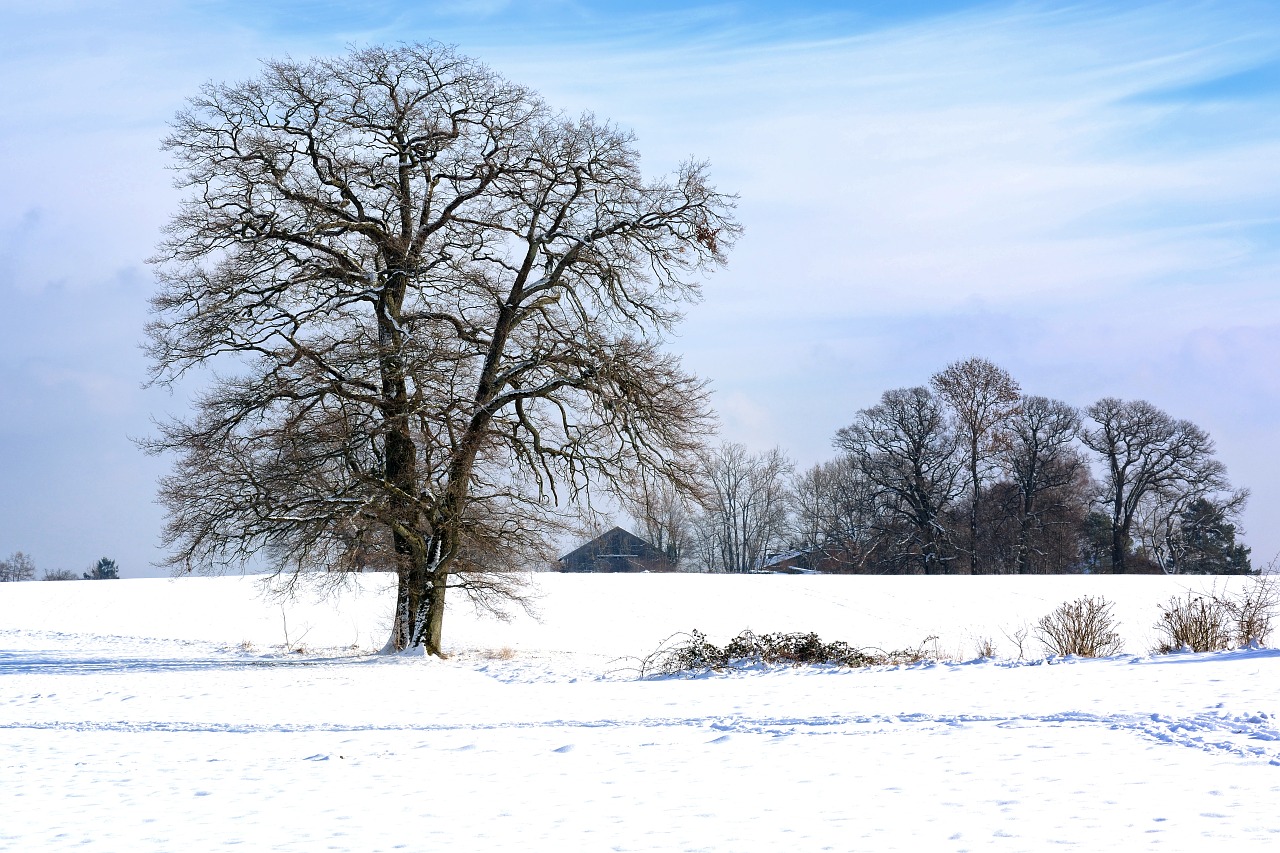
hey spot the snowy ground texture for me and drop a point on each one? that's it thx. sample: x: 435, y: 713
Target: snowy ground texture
x: 167, y: 715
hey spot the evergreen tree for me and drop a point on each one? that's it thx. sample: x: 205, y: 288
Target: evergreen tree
x: 1207, y: 541
x: 105, y: 570
x: 1095, y: 543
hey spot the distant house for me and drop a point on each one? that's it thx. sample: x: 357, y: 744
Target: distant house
x: 616, y: 551
x: 787, y: 563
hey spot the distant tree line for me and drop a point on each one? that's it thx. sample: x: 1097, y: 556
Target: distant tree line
x: 967, y: 475
x: 20, y: 567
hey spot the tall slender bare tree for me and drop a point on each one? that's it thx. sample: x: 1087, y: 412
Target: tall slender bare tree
x: 982, y: 396
x: 439, y: 308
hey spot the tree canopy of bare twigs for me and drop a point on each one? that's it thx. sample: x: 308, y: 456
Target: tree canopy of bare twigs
x: 745, y: 507
x: 663, y: 512
x: 17, y: 567
x: 906, y: 450
x: 437, y: 311
x: 1050, y: 476
x: 834, y: 508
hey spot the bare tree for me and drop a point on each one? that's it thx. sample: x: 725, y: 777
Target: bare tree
x: 1147, y: 455
x: 664, y: 516
x: 1192, y: 529
x: 1050, y: 477
x: 440, y: 309
x: 906, y: 450
x: 834, y: 515
x: 982, y: 396
x: 17, y: 567
x: 744, y: 508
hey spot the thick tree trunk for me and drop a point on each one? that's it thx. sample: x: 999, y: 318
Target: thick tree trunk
x: 400, y: 467
x: 932, y: 561
x: 412, y: 608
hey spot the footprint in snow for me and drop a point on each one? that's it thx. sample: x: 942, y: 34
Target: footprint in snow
x: 568, y: 747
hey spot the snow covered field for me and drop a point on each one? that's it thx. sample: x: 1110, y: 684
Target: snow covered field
x: 159, y: 715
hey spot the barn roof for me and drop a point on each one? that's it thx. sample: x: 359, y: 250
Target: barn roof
x: 622, y: 536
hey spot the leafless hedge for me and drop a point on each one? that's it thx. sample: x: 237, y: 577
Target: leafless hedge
x: 693, y: 653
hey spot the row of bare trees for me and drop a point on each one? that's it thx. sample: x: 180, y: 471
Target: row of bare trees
x: 970, y: 475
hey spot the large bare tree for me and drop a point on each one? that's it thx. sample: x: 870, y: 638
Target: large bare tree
x: 438, y: 309
x: 1148, y: 456
x: 906, y: 450
x: 1049, y: 476
x: 982, y: 396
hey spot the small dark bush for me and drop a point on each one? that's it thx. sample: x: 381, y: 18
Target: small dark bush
x: 1083, y: 627
x: 693, y: 652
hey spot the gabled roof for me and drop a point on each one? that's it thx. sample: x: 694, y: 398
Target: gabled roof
x: 592, y: 548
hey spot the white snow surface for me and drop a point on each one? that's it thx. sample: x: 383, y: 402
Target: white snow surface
x: 168, y: 715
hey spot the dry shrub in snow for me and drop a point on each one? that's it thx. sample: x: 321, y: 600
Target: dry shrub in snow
x: 1084, y: 627
x: 1253, y: 609
x: 1197, y: 622
x: 693, y: 652
x: 1205, y: 623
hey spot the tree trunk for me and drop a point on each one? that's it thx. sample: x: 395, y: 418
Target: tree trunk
x: 973, y: 510
x: 407, y: 613
x: 1025, y: 509
x: 434, y: 622
x: 1119, y: 541
x: 1117, y: 550
x: 400, y: 469
x: 1020, y: 550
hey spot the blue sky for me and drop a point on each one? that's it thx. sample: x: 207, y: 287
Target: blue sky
x: 1086, y: 193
